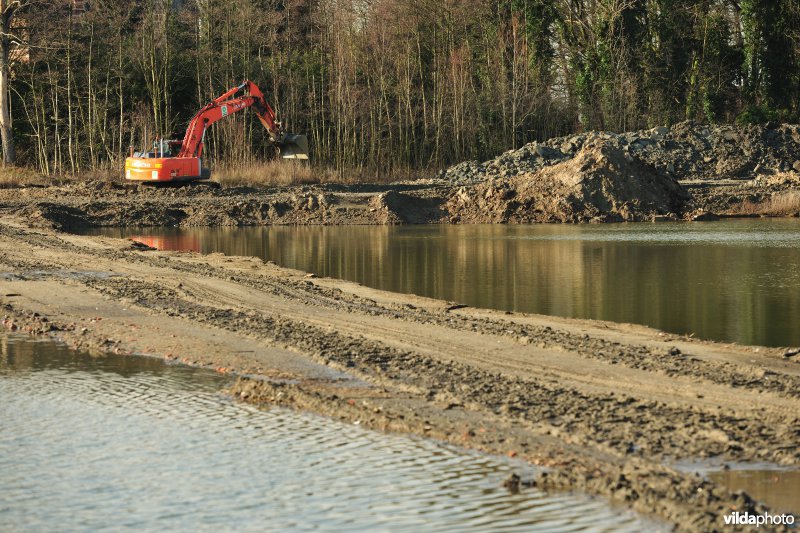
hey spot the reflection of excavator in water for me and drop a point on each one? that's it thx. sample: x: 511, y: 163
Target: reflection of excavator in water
x: 180, y: 161
x: 183, y: 241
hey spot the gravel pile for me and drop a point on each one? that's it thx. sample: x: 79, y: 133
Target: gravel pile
x: 686, y: 151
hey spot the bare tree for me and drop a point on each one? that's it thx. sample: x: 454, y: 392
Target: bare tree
x: 8, y: 39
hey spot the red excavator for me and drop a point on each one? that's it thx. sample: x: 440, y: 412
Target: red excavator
x: 173, y: 161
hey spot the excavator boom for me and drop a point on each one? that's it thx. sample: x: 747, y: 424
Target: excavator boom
x: 164, y: 165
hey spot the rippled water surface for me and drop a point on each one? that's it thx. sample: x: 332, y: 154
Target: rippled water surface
x: 132, y: 443
x: 734, y: 280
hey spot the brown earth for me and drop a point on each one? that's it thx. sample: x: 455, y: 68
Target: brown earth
x: 600, y: 183
x: 605, y: 407
x: 590, y: 188
x: 113, y: 204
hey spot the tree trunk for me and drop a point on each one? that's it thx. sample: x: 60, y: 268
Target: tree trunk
x: 6, y: 14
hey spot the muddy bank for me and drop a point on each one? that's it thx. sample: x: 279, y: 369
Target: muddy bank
x: 685, y: 172
x: 113, y: 204
x: 597, y: 195
x: 606, y: 407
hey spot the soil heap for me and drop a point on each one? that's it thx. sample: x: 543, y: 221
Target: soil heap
x: 687, y: 151
x: 601, y: 182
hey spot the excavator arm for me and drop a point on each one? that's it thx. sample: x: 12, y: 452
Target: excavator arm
x: 290, y: 145
x: 163, y: 165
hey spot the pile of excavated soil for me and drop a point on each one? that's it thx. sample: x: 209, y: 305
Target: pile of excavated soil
x: 686, y: 151
x: 600, y: 183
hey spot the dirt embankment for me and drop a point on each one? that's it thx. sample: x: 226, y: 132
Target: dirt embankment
x: 606, y: 407
x: 678, y: 172
x: 664, y: 173
x: 600, y: 183
x: 108, y: 204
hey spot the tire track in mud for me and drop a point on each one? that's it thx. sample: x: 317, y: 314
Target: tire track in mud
x: 622, y: 423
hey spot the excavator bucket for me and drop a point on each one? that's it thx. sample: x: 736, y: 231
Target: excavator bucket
x: 294, y: 146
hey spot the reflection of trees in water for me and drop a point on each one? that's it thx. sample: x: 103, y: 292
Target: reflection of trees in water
x: 15, y: 354
x: 746, y: 294
x: 20, y: 353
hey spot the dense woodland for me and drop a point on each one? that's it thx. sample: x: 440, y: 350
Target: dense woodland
x: 386, y: 85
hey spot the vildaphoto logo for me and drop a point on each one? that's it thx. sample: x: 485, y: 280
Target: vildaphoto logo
x: 758, y: 520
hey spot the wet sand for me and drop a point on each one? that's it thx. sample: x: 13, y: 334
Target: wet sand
x: 606, y: 406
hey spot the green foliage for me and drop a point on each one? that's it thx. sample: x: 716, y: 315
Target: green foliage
x: 755, y: 114
x: 539, y: 16
x: 771, y: 63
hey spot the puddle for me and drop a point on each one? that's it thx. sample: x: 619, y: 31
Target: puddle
x: 780, y: 489
x: 131, y: 442
x: 776, y: 486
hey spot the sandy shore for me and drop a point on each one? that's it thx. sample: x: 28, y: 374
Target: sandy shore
x: 607, y: 406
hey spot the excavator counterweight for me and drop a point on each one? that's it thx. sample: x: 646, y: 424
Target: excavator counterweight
x: 181, y: 160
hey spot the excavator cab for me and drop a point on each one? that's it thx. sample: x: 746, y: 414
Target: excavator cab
x: 161, y: 148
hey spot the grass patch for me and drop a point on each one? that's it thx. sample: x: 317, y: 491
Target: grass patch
x: 785, y: 203
x: 277, y: 172
x: 12, y: 177
x: 290, y: 172
x: 265, y: 173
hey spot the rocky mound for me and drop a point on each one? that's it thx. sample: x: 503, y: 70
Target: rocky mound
x: 686, y: 151
x: 601, y: 182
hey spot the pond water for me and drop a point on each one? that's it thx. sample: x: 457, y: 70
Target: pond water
x: 733, y: 280
x: 777, y: 486
x: 132, y: 443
